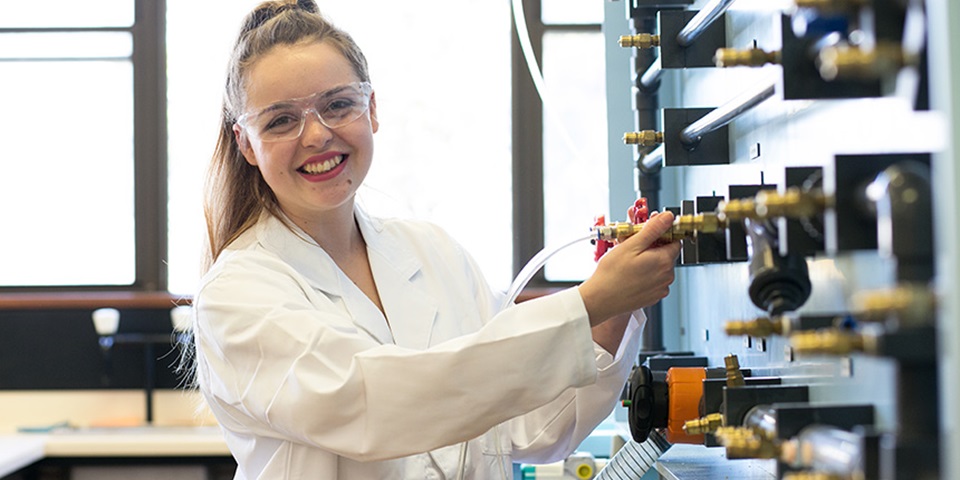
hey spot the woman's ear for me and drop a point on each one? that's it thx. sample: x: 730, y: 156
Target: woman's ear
x: 244, y: 144
x: 374, y: 123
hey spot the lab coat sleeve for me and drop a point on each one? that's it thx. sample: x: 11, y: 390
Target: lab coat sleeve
x: 271, y: 364
x: 554, y: 431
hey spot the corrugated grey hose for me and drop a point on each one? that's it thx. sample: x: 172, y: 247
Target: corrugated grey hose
x: 635, y: 459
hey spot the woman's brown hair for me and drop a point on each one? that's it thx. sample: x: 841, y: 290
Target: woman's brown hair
x: 235, y: 192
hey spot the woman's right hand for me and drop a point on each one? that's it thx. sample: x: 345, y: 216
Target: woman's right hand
x: 634, y: 274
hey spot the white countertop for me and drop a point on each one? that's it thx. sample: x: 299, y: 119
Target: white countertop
x: 20, y: 450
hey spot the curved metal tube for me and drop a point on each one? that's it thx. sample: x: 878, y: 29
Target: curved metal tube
x: 652, y: 161
x: 703, y: 19
x: 723, y: 115
x: 650, y: 79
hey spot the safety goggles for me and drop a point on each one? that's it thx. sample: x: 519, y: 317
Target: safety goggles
x: 284, y: 120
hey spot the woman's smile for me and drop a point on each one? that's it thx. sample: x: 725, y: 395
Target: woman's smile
x: 323, y: 167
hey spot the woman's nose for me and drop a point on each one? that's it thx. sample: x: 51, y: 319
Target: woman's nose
x: 314, y: 131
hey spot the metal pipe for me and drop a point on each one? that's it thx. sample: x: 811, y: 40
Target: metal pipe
x: 723, y: 115
x: 650, y: 79
x: 652, y: 161
x: 701, y: 21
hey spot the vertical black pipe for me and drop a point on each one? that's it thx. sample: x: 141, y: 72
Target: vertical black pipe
x: 647, y: 107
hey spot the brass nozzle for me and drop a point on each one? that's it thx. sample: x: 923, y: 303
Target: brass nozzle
x: 617, y: 232
x: 742, y: 442
x: 620, y: 231
x: 640, y: 40
x: 707, y: 424
x: 846, y: 62
x: 738, y: 209
x: 751, y: 57
x: 734, y: 375
x: 829, y: 341
x: 793, y: 203
x: 686, y: 225
x: 909, y: 304
x: 645, y: 138
x: 758, y: 327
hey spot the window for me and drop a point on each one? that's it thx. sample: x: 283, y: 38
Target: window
x: 563, y: 155
x: 69, y: 133
x: 104, y: 171
x: 443, y: 100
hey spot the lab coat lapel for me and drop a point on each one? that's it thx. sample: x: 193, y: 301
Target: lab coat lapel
x: 298, y: 250
x: 410, y: 310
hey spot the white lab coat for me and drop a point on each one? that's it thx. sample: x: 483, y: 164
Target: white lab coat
x: 309, y: 381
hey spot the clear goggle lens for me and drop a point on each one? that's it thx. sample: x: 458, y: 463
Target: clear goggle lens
x: 285, y: 120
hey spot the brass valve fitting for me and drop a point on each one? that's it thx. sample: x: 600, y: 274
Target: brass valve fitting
x: 684, y: 226
x: 758, y: 327
x: 645, y: 138
x: 620, y: 231
x: 846, y: 62
x: 734, y: 375
x: 831, y: 342
x: 751, y: 57
x: 793, y: 203
x: 707, y: 424
x: 909, y: 304
x: 742, y: 442
x: 640, y: 40
x: 738, y: 209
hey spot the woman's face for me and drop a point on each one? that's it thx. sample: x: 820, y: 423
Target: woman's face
x: 321, y: 170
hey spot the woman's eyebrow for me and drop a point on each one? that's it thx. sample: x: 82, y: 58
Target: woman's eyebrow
x: 293, y: 101
x: 333, y: 91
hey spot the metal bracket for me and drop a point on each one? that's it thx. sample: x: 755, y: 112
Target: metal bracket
x: 713, y: 149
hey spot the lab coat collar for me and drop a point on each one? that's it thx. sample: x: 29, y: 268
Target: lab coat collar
x: 301, y: 252
x: 410, y: 310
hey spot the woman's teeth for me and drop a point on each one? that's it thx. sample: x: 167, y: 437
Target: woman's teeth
x: 321, y: 167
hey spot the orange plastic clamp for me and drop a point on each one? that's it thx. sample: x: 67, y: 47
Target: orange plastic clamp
x: 685, y: 387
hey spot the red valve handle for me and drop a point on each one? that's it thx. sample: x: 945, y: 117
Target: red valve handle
x: 602, y: 245
x: 641, y: 213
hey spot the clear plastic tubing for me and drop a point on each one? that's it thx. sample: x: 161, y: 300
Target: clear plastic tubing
x: 528, y: 270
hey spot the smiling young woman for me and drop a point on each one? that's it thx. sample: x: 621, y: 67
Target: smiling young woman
x: 330, y: 343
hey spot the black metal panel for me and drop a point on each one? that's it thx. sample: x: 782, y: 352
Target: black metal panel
x: 688, y: 246
x: 713, y: 148
x: 793, y: 417
x: 856, y: 226
x: 736, y: 235
x: 738, y: 401
x: 698, y: 54
x: 640, y: 8
x: 801, y: 76
x: 711, y: 247
x: 805, y: 237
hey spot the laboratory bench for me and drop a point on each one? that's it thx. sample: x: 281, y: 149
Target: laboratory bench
x: 70, y: 453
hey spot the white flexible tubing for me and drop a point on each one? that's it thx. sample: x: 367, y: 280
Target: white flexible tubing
x: 528, y: 270
x: 523, y: 35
